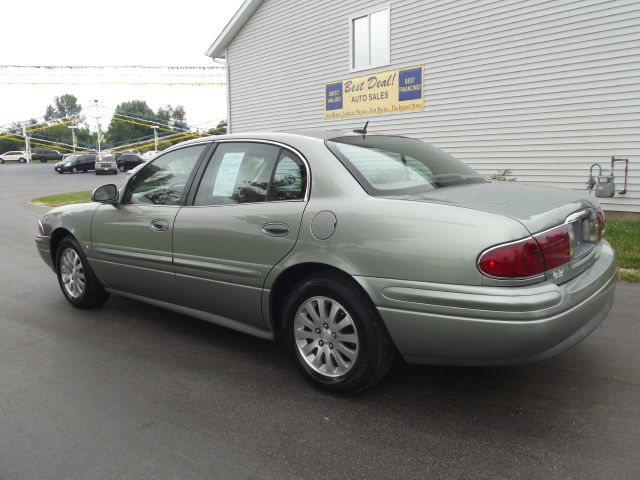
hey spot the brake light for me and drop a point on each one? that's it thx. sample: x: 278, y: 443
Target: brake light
x: 555, y: 245
x: 600, y: 222
x: 528, y: 257
x: 513, y: 260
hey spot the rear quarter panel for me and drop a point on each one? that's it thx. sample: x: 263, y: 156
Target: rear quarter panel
x: 405, y: 240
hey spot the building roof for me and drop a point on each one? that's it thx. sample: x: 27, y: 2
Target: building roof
x: 217, y: 49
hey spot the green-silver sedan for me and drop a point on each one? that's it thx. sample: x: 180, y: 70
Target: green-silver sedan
x: 347, y: 248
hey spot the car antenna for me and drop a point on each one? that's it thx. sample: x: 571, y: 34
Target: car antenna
x: 363, y: 131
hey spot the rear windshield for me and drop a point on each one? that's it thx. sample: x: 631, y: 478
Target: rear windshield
x: 389, y: 165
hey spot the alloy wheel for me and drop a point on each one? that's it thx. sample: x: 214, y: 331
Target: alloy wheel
x: 326, y: 336
x: 72, y: 273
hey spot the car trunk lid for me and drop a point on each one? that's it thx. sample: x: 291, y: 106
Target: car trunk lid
x: 539, y: 208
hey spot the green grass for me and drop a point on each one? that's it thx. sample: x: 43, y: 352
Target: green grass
x: 63, y: 199
x: 624, y: 237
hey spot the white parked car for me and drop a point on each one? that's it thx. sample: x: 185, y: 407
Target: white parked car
x: 106, y: 163
x: 15, y: 156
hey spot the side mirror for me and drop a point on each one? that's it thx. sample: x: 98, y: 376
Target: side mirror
x: 105, y: 194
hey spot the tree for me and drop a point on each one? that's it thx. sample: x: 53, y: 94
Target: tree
x: 122, y: 129
x: 63, y: 106
x: 220, y: 129
x: 172, y: 117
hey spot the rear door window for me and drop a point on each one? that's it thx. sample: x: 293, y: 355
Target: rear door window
x: 239, y: 172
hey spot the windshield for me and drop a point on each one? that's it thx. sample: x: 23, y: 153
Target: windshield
x: 389, y: 165
x: 72, y: 158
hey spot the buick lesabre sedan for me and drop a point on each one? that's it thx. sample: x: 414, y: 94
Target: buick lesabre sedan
x: 347, y: 248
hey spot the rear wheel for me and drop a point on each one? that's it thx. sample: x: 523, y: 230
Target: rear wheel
x: 74, y: 170
x: 77, y: 281
x: 334, y: 334
x: 122, y: 167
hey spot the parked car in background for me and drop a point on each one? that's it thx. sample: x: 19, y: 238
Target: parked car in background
x: 14, y: 156
x: 77, y: 163
x: 106, y: 164
x: 135, y: 169
x: 127, y: 161
x: 45, y: 154
x: 347, y: 248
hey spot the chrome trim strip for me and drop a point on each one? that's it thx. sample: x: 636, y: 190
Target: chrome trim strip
x: 145, y: 257
x: 214, y: 267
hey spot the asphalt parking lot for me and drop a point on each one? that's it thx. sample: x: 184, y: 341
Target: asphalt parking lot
x: 133, y: 391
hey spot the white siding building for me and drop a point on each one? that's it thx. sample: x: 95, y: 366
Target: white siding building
x: 544, y: 88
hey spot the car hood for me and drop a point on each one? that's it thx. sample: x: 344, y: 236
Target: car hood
x: 537, y: 207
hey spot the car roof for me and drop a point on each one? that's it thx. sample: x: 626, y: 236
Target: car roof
x: 280, y: 136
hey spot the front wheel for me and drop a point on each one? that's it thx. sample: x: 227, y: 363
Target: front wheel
x: 77, y: 281
x: 334, y: 334
x: 23, y: 160
x: 122, y: 167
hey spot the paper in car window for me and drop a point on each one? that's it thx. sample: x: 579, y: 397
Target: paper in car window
x: 227, y: 174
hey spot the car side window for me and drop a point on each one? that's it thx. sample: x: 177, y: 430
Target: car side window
x: 289, y: 179
x: 237, y: 173
x: 163, y: 181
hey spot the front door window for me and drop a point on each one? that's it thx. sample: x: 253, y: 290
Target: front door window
x: 163, y: 181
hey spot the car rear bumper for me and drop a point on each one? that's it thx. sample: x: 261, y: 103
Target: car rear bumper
x: 43, y: 245
x: 101, y: 170
x: 473, y: 325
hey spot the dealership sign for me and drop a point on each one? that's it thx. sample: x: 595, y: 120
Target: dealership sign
x: 379, y: 93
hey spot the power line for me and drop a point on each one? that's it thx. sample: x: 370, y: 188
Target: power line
x: 114, y: 67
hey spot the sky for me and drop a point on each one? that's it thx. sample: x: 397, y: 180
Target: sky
x: 133, y: 32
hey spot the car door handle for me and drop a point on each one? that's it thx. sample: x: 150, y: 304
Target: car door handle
x: 275, y: 229
x: 159, y: 225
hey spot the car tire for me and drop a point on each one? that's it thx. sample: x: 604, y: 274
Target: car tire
x: 23, y: 160
x: 1, y: 160
x: 43, y: 161
x: 74, y: 170
x: 77, y: 281
x: 122, y: 167
x: 313, y: 342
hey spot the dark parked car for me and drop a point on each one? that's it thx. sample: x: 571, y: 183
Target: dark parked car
x: 127, y: 161
x: 46, y: 154
x: 76, y: 163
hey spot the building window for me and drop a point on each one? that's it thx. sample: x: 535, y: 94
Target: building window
x: 370, y: 40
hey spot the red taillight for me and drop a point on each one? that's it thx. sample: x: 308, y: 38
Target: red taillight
x: 555, y: 245
x: 600, y: 221
x: 528, y: 257
x: 517, y: 259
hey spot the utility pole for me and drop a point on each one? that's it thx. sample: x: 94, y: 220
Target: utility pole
x: 98, y: 123
x: 27, y: 143
x: 73, y: 136
x: 155, y: 136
